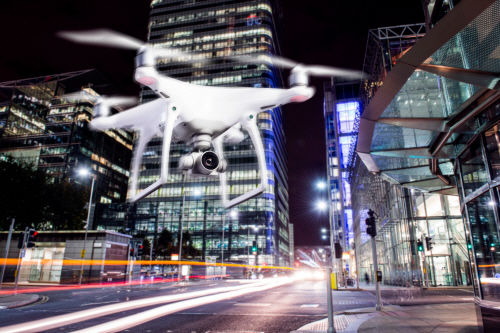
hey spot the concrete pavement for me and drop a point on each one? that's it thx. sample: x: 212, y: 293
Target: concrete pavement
x: 14, y: 301
x: 449, y: 317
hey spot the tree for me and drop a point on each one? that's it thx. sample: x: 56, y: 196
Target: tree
x: 165, y: 243
x: 188, y: 250
x: 146, y: 244
x: 23, y: 194
x: 28, y: 197
x: 65, y: 205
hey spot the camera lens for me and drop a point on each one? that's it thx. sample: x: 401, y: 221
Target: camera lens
x: 209, y: 160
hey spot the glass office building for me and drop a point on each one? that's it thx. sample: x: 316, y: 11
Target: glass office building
x: 214, y: 31
x: 431, y: 131
x: 39, y: 127
x: 341, y: 109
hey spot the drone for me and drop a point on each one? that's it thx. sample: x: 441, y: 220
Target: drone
x: 201, y: 116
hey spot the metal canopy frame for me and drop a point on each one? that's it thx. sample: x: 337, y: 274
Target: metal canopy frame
x: 415, y: 59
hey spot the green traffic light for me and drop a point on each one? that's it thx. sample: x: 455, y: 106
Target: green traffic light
x: 492, y: 244
x: 420, y: 248
x: 469, y: 246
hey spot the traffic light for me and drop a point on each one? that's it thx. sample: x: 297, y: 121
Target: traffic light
x: 153, y: 254
x: 491, y: 240
x: 254, y: 248
x: 31, y: 238
x: 428, y: 243
x: 469, y: 246
x: 139, y: 250
x: 20, y: 241
x: 132, y: 252
x: 338, y: 251
x: 420, y: 245
x: 371, y: 225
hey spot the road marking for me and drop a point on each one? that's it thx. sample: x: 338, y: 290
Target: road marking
x: 43, y: 300
x: 252, y: 304
x: 253, y: 314
x: 469, y: 291
x: 161, y: 311
x: 98, y: 303
x: 309, y: 305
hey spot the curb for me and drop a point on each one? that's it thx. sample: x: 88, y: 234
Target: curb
x: 33, y: 299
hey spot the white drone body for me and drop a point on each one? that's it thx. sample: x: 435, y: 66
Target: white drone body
x: 201, y: 116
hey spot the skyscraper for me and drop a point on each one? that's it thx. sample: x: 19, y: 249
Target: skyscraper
x: 213, y: 31
x: 39, y: 127
x: 341, y: 107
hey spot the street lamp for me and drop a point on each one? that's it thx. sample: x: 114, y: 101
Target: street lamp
x: 322, y: 205
x: 196, y: 192
x: 85, y: 172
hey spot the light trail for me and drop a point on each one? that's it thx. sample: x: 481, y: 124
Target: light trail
x: 143, y: 317
x: 75, y: 317
x: 72, y: 262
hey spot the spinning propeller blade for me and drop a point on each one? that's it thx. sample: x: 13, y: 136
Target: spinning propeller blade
x: 102, y: 37
x: 314, y: 70
x: 111, y: 101
x: 110, y: 38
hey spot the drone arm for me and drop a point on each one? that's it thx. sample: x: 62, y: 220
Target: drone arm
x: 169, y: 116
x: 144, y: 138
x: 250, y: 124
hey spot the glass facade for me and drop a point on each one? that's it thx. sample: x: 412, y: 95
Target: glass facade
x: 39, y: 127
x: 213, y: 31
x: 341, y: 110
x: 434, y: 134
x: 480, y: 206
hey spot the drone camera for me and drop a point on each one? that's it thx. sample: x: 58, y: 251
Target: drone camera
x: 202, y: 164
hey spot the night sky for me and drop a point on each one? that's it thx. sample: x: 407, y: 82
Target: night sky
x: 327, y: 32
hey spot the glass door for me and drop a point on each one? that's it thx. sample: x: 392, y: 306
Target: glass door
x: 443, y: 275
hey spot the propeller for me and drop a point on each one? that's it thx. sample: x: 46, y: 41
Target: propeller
x: 110, y: 38
x: 102, y: 103
x: 102, y: 37
x: 314, y: 70
x: 111, y: 101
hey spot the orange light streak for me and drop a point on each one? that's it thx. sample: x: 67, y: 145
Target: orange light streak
x: 72, y: 262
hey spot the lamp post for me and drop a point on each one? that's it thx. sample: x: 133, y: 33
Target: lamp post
x: 197, y: 193
x: 85, y: 172
x: 322, y: 206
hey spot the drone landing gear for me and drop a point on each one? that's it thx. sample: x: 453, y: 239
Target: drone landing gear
x: 250, y: 125
x: 169, y: 117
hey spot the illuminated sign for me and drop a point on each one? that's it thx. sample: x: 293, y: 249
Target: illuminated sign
x: 252, y: 19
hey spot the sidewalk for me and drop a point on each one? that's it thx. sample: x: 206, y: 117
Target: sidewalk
x: 402, y: 319
x: 14, y: 301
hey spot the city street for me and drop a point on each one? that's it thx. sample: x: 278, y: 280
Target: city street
x: 283, y: 308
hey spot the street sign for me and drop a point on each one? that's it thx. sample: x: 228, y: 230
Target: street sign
x: 211, y: 260
x: 23, y: 253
